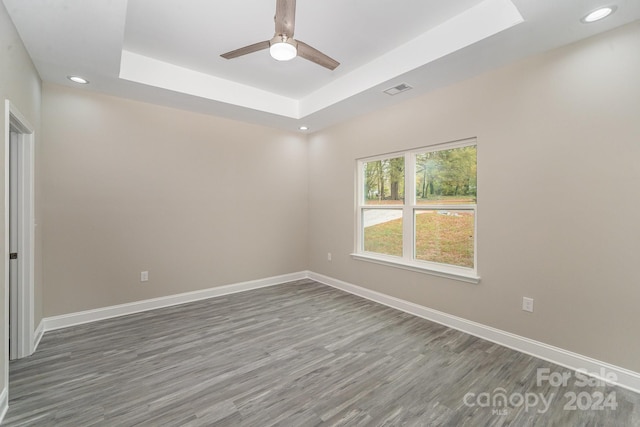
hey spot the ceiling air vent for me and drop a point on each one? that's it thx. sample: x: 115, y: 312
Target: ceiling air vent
x: 402, y: 87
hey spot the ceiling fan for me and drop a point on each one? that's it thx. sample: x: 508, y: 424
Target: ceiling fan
x: 283, y: 46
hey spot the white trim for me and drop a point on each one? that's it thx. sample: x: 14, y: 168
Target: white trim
x: 435, y: 269
x: 72, y: 319
x: 26, y: 227
x: 4, y: 403
x: 5, y: 279
x: 26, y: 241
x: 625, y: 378
x: 37, y: 336
x: 438, y: 146
x: 15, y: 336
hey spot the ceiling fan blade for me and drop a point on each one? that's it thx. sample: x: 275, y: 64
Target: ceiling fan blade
x: 314, y: 55
x: 285, y: 17
x: 247, y: 49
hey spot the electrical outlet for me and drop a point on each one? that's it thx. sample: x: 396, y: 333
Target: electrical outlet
x: 527, y: 304
x: 144, y: 276
x: 328, y: 256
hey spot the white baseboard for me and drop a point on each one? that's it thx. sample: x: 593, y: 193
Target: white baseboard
x: 4, y: 403
x: 574, y: 361
x: 72, y: 319
x: 596, y: 368
x: 37, y: 336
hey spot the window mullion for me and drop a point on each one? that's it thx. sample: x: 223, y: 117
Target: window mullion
x: 408, y: 226
x: 359, y: 237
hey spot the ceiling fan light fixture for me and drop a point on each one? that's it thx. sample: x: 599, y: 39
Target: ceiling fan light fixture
x: 283, y: 47
x: 283, y: 51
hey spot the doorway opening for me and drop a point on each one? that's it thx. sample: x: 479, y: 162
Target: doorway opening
x: 19, y: 232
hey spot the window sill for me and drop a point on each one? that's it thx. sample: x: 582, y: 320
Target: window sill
x: 460, y: 274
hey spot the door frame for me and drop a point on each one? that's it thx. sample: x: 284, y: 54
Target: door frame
x: 24, y: 301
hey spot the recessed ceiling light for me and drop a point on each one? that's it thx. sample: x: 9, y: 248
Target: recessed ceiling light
x: 598, y: 14
x: 303, y: 128
x: 78, y: 79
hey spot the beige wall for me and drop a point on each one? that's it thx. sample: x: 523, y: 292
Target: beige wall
x: 19, y: 83
x: 558, y: 181
x: 196, y: 200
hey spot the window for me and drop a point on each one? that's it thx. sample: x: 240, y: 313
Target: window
x: 417, y: 210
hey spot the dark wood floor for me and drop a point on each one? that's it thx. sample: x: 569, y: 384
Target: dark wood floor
x: 298, y: 354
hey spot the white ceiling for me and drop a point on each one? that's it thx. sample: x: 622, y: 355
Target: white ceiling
x: 168, y: 51
x: 352, y: 31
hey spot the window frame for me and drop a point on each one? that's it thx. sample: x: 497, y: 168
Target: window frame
x: 409, y: 207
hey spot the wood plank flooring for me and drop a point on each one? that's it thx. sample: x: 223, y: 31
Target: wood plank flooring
x: 297, y: 354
